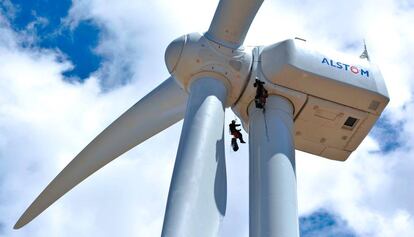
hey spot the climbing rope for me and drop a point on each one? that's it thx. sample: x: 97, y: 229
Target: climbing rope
x: 265, y: 122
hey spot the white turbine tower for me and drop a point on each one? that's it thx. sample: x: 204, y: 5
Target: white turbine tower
x: 321, y: 104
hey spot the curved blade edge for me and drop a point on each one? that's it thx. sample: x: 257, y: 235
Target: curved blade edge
x: 161, y: 108
x: 232, y: 21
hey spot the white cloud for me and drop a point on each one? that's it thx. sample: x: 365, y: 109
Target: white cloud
x: 45, y: 121
x: 137, y: 34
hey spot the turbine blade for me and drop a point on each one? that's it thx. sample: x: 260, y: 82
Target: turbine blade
x: 198, y: 191
x: 232, y: 21
x: 158, y: 110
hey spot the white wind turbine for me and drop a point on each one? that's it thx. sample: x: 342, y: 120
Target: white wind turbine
x: 324, y: 105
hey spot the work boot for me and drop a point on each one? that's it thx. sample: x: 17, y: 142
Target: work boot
x: 234, y: 144
x: 258, y: 104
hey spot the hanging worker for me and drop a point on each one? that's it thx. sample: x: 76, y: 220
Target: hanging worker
x: 261, y: 94
x: 236, y: 135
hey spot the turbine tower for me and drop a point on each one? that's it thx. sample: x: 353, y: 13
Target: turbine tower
x: 323, y: 104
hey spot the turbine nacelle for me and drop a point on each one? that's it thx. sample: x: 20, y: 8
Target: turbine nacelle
x: 193, y: 56
x: 336, y: 99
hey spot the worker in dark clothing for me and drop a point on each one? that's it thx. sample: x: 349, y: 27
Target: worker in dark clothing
x: 236, y: 135
x: 261, y: 94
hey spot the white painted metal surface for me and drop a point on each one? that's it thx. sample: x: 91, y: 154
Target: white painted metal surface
x: 272, y: 194
x: 197, y: 197
x: 232, y: 21
x: 350, y: 81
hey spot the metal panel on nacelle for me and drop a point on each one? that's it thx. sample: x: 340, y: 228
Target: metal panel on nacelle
x: 345, y: 96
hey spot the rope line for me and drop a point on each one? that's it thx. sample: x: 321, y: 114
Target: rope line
x: 265, y: 122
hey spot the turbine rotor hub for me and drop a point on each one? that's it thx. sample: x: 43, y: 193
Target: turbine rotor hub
x: 192, y: 56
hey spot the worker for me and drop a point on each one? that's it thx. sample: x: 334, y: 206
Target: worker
x: 236, y: 135
x: 261, y: 94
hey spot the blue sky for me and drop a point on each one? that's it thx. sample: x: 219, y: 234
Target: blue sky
x: 67, y: 69
x: 46, y: 20
x: 324, y: 223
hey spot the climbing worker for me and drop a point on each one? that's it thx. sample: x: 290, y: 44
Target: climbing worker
x: 236, y: 135
x: 261, y: 94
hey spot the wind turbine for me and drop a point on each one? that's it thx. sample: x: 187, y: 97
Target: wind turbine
x: 324, y: 105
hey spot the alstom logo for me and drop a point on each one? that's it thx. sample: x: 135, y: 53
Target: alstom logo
x: 346, y: 67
